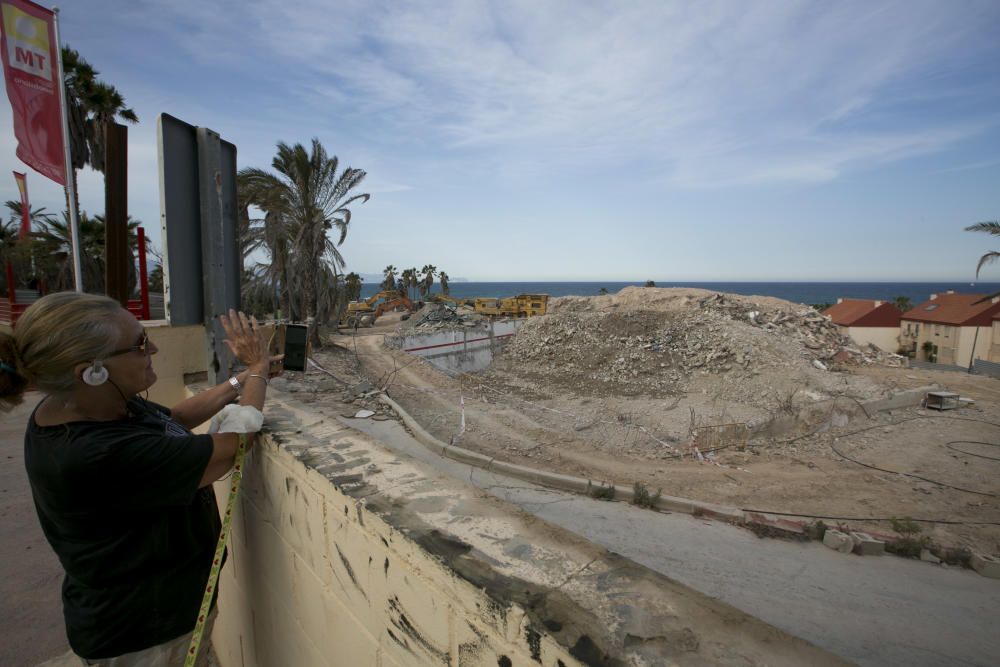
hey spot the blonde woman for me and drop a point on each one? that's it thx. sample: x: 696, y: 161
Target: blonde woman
x: 121, y: 485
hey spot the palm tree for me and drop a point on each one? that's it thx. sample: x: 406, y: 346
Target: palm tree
x: 8, y: 240
x: 54, y: 240
x: 427, y: 283
x: 267, y: 285
x: 389, y: 280
x: 37, y: 218
x: 155, y: 278
x: 903, y: 303
x: 302, y: 203
x: 413, y: 283
x: 443, y: 279
x: 409, y: 280
x: 53, y: 247
x: 91, y: 104
x: 352, y: 286
x: 992, y: 228
x: 13, y: 249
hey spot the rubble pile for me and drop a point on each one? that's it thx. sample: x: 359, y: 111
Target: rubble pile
x: 637, y: 343
x: 440, y: 316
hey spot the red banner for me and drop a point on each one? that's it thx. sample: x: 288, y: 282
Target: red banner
x: 30, y: 66
x: 22, y: 186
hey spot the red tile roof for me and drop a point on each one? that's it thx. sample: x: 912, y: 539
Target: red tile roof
x: 956, y: 310
x: 864, y: 313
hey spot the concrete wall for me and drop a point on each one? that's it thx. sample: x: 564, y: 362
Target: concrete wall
x: 885, y: 338
x: 966, y: 338
x: 344, y: 553
x: 182, y: 351
x: 457, y: 349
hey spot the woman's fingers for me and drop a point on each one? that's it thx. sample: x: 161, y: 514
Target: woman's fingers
x: 226, y: 325
x: 245, y: 322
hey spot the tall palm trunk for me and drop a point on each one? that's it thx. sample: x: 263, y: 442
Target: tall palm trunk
x: 73, y: 206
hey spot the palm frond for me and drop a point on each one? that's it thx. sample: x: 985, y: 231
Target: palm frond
x: 988, y: 258
x: 990, y: 227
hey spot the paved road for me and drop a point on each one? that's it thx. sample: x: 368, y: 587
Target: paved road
x: 30, y: 574
x: 872, y: 611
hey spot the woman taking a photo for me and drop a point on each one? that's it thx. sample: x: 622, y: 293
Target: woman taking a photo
x: 121, y: 485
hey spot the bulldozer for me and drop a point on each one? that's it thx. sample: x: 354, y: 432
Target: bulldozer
x: 522, y: 305
x: 364, y: 313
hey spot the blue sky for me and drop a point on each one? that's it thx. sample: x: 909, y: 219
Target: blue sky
x: 589, y: 140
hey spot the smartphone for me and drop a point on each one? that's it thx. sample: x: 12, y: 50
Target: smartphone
x: 296, y: 346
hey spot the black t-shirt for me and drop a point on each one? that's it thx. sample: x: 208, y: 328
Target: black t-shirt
x: 119, y: 503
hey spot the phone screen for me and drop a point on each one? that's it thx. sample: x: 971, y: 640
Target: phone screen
x: 296, y: 342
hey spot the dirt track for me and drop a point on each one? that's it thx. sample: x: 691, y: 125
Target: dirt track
x: 629, y: 439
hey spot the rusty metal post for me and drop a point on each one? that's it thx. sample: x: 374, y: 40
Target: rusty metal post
x: 117, y: 255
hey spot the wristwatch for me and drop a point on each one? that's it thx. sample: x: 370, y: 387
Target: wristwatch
x: 236, y: 384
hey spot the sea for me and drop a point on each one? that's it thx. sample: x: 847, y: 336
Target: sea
x: 806, y: 293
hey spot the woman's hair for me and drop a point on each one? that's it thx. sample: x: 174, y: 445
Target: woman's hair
x: 54, y: 334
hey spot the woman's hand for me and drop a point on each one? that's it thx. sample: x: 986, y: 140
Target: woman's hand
x: 246, y: 340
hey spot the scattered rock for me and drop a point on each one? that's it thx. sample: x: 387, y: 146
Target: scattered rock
x: 838, y: 541
x: 361, y: 388
x: 988, y: 566
x: 866, y: 545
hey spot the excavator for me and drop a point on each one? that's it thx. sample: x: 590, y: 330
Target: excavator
x: 364, y: 313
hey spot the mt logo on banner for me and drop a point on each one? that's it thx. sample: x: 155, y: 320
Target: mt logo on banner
x: 28, y: 44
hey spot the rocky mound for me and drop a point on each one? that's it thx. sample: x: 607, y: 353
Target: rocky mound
x: 657, y: 341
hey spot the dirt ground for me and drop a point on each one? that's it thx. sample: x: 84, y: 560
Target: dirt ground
x: 619, y: 387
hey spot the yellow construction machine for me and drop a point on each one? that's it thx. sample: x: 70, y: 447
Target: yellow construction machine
x: 522, y: 305
x: 364, y: 313
x: 446, y: 299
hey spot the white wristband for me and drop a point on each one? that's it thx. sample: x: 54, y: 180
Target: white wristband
x: 236, y: 385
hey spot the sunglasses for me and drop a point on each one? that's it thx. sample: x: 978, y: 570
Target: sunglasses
x: 143, y: 347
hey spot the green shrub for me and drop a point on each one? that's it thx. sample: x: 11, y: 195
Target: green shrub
x: 601, y: 492
x: 642, y: 498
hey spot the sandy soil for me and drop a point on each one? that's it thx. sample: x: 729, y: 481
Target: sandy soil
x: 533, y: 410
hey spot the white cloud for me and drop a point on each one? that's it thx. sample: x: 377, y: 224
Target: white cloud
x: 761, y: 87
x: 779, y: 91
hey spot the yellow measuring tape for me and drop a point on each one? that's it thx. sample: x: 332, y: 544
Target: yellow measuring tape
x: 220, y: 547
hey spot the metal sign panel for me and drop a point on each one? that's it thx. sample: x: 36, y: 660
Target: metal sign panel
x: 201, y: 254
x: 180, y: 221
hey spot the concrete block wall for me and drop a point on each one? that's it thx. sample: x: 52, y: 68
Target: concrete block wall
x: 316, y: 578
x: 457, y: 349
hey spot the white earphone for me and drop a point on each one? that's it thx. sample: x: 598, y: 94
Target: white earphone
x: 95, y: 375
